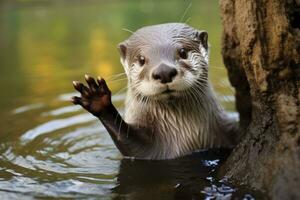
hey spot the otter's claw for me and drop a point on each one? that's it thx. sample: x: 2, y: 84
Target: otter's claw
x: 95, y: 98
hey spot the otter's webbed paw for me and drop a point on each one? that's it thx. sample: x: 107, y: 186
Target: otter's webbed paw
x: 95, y: 98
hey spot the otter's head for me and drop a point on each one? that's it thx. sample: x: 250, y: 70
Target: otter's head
x: 165, y: 60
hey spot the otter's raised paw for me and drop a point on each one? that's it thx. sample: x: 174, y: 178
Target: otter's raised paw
x: 95, y: 98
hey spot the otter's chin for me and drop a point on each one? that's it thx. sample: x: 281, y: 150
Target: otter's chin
x: 161, y: 92
x: 168, y: 91
x: 165, y: 95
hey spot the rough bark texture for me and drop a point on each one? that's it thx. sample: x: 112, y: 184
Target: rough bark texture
x: 261, y: 50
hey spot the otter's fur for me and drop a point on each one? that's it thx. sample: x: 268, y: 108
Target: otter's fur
x: 190, y: 117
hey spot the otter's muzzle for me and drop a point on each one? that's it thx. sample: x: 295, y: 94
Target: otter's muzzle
x: 164, y: 73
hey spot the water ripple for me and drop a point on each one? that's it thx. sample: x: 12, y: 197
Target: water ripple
x: 54, y: 125
x: 26, y: 108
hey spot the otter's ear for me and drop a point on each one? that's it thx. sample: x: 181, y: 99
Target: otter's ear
x: 122, y: 49
x: 202, y: 36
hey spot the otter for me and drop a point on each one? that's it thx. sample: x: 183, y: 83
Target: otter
x: 171, y: 109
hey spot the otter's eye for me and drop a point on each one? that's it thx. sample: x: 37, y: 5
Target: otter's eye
x: 183, y: 53
x: 141, y: 60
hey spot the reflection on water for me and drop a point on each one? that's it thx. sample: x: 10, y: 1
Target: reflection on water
x: 190, y: 177
x: 50, y: 148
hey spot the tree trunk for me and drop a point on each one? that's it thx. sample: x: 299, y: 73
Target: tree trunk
x: 261, y: 51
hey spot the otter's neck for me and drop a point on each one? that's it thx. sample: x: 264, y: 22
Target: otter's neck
x: 180, y: 125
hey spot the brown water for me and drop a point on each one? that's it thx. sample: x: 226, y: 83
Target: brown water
x: 50, y: 148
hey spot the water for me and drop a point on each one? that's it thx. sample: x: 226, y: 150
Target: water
x: 51, y: 149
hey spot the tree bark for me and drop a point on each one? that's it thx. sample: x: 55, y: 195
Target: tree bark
x: 261, y: 51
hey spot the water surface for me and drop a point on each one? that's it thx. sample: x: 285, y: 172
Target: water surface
x: 50, y: 148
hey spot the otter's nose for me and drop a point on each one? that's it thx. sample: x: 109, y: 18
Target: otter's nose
x: 164, y: 73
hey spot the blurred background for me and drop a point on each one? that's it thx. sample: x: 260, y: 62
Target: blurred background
x: 45, y: 141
